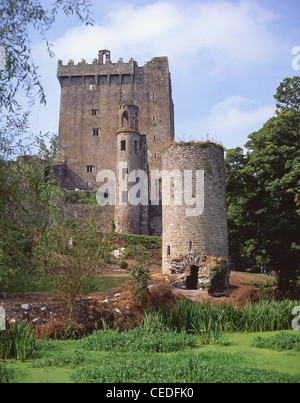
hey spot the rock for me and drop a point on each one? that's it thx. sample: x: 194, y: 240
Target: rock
x: 43, y: 308
x: 117, y: 295
x: 36, y: 320
x: 117, y: 253
x: 25, y: 307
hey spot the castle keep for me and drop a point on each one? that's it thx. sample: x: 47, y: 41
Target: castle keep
x: 119, y: 117
x: 90, y: 98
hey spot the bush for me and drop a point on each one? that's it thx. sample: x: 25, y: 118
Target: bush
x: 17, y: 341
x: 184, y: 367
x: 279, y: 342
x: 137, y: 339
x: 261, y: 316
x: 149, y: 242
x: 6, y: 375
x: 123, y: 265
x: 136, y: 250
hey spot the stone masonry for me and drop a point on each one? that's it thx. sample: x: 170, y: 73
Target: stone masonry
x: 120, y: 117
x: 190, y: 237
x: 90, y: 97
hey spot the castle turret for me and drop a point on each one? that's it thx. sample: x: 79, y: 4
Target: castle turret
x: 195, y: 215
x: 127, y: 210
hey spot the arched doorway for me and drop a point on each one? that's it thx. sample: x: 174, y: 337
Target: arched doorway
x: 192, y: 278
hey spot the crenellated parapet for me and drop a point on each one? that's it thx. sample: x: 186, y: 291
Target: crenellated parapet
x: 98, y: 69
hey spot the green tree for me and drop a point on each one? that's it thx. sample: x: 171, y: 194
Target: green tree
x: 69, y: 254
x: 263, y: 215
x: 29, y: 196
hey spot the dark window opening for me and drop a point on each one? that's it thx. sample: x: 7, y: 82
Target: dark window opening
x: 191, y: 245
x: 124, y: 196
x: 124, y: 173
x: 192, y: 279
x: 89, y: 168
x: 94, y: 112
x: 95, y: 132
x: 168, y: 250
x: 125, y: 119
x: 106, y: 195
x: 123, y: 145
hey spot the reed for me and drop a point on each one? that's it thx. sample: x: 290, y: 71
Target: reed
x: 253, y: 317
x: 17, y: 341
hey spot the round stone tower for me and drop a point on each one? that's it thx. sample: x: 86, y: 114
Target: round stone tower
x: 195, y: 221
x: 127, y: 210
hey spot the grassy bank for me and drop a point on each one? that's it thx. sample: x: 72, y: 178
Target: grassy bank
x: 68, y: 361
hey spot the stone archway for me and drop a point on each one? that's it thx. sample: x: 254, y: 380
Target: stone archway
x: 192, y: 279
x: 200, y: 268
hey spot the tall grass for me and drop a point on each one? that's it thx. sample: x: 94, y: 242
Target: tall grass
x: 254, y: 317
x: 148, y: 337
x: 17, y: 341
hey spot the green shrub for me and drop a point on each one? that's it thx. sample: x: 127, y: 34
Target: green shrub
x: 136, y: 250
x: 183, y: 367
x: 17, y: 341
x: 123, y: 265
x: 278, y: 342
x: 149, y: 242
x: 71, y: 196
x: 218, y: 276
x: 137, y: 339
x: 255, y: 317
x: 6, y: 375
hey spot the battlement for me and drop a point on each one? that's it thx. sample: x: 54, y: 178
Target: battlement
x: 104, y: 66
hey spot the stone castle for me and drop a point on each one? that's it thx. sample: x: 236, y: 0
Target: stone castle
x: 119, y: 117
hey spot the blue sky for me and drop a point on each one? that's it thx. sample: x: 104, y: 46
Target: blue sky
x: 226, y: 58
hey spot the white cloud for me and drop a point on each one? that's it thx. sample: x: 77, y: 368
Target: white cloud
x: 207, y: 42
x: 232, y: 120
x: 230, y: 35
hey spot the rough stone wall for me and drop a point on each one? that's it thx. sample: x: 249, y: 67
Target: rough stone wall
x: 90, y: 95
x: 129, y: 158
x: 205, y: 234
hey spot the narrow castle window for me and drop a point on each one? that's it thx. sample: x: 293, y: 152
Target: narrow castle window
x: 89, y: 168
x: 95, y: 132
x: 154, y: 137
x: 94, y: 112
x: 124, y: 173
x: 155, y: 155
x: 125, y: 119
x: 123, y: 145
x: 153, y: 118
x: 168, y: 250
x: 124, y: 196
x: 191, y: 245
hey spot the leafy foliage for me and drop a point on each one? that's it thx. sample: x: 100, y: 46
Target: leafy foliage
x: 17, y: 341
x: 278, y: 342
x: 69, y: 255
x: 262, y: 188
